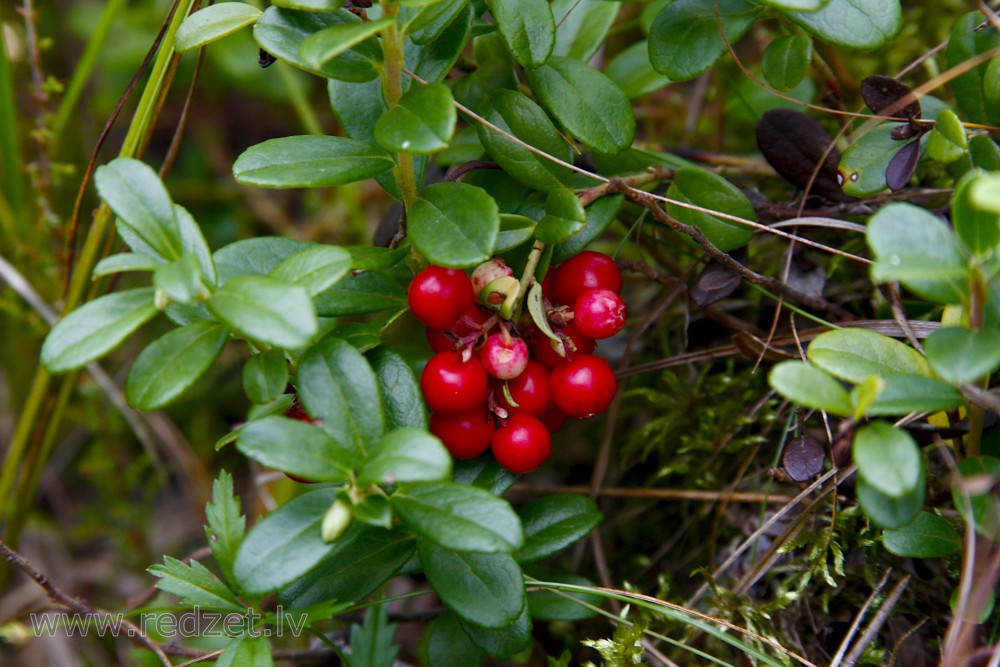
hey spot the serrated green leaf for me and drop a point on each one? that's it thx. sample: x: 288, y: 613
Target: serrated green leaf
x: 527, y: 27
x: 853, y: 354
x: 401, y: 395
x: 372, y: 643
x: 855, y: 24
x: 298, y: 448
x: 888, y: 459
x: 96, y: 328
x: 323, y: 46
x: 454, y: 224
x: 809, y: 386
x: 422, y: 122
x: 310, y: 162
x: 406, y: 455
x: 553, y: 523
x: 266, y: 311
x: 786, y: 61
x: 711, y: 191
x: 172, y: 363
x: 145, y: 213
x: 212, y: 23
x: 928, y: 536
x: 195, y: 585
x: 246, y: 652
x: 225, y: 525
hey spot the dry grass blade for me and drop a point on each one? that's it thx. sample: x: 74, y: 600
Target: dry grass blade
x: 858, y: 619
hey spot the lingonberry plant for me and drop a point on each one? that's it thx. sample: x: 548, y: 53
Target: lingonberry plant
x: 403, y: 386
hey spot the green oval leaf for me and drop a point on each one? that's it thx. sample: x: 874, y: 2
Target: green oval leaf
x: 323, y: 46
x: 145, y: 213
x: 501, y: 642
x: 856, y: 24
x: 454, y: 224
x: 927, y: 536
x: 947, y: 141
x: 586, y: 102
x: 96, y: 328
x: 123, y: 262
x: 854, y: 354
x: 527, y: 27
x: 902, y: 394
x: 600, y: 215
x: 172, y: 363
x: 684, y: 39
x: 809, y: 386
x: 296, y: 447
x: 967, y: 42
x: 257, y: 256
x: 889, y: 511
x: 212, y: 23
x: 290, y: 535
x: 406, y: 455
x: 633, y: 73
x: 918, y: 249
x: 266, y: 311
x: 514, y: 230
x: 401, y: 394
x: 564, y: 216
x: 960, y: 355
x: 582, y: 26
x: 786, y: 61
x: 310, y: 162
x: 803, y: 5
x: 553, y: 523
x: 265, y: 376
x: 461, y: 517
x: 888, y: 459
x: 316, y: 269
x: 975, y: 224
x: 431, y: 21
x: 423, y: 121
x: 863, y: 165
x: 360, y: 294
x: 486, y: 589
x: 711, y: 191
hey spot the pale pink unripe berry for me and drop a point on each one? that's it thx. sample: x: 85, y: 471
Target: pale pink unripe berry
x: 489, y: 271
x: 504, y: 357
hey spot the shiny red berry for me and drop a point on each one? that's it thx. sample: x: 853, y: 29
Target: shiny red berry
x: 584, y: 386
x: 599, y: 313
x: 554, y: 419
x: 545, y: 348
x: 504, y: 357
x: 465, y: 434
x: 530, y: 390
x: 588, y: 270
x: 439, y: 296
x: 522, y: 444
x: 451, y: 385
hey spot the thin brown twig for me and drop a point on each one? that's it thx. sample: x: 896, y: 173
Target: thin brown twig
x: 654, y: 494
x: 878, y: 620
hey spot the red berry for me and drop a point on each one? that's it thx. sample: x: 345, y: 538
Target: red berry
x: 522, y: 444
x: 554, y: 419
x: 584, y: 386
x: 530, y: 390
x: 599, y: 313
x: 438, y: 296
x: 451, y: 385
x: 545, y: 352
x: 504, y: 359
x: 438, y: 341
x: 465, y: 434
x: 588, y: 270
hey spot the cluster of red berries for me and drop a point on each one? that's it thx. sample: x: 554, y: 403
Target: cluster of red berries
x: 507, y: 384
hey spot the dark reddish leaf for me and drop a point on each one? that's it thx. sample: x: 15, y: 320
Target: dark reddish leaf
x: 803, y: 458
x: 715, y: 283
x: 888, y: 95
x: 793, y: 143
x: 902, y: 165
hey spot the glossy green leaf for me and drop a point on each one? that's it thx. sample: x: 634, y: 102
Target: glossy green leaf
x: 547, y: 605
x: 193, y: 242
x: 374, y: 258
x: 984, y: 152
x: 123, y: 262
x: 503, y: 642
x: 985, y: 506
x: 917, y: 248
x: 711, y: 191
x: 484, y: 472
x: 633, y: 73
x: 310, y: 5
x: 323, y: 46
x: 809, y: 386
x: 564, y: 216
x: 436, y: 59
x: 310, y: 162
x: 406, y: 455
x: 865, y: 394
x: 461, y: 517
x: 281, y: 33
x: 401, y: 394
x: 902, y: 394
x: 212, y: 23
x: 802, y: 5
x: 527, y: 27
x: 961, y: 355
x: 289, y: 536
x: 600, y: 215
x: 582, y: 26
x: 359, y: 562
x: 864, y: 163
x: 195, y: 585
x: 889, y: 511
x: 553, y: 523
x: 96, y: 328
x: 246, y: 651
x: 316, y: 269
x: 454, y: 224
x: 180, y: 280
x: 855, y: 24
x: 947, y: 141
x: 786, y: 61
x: 485, y: 589
x: 422, y: 122
x: 684, y: 40
x: 432, y: 19
x: 446, y: 644
x: 927, y: 536
x: 266, y: 311
x: 374, y: 510
x: 978, y: 226
x: 515, y: 113
x: 336, y: 385
x: 298, y: 448
x: 257, y: 256
x: 225, y: 524
x: 357, y: 106
x: 514, y: 230
x: 853, y: 354
x: 360, y: 294
x: 585, y: 102
x: 172, y: 363
x: 967, y: 42
x: 145, y: 213
x: 888, y: 459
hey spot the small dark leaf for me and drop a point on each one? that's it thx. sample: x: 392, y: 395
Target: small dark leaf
x: 803, y: 458
x: 885, y: 94
x: 715, y: 283
x: 902, y: 165
x: 793, y: 143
